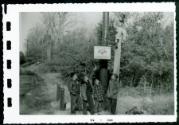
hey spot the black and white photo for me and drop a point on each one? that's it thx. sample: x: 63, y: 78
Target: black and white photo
x: 95, y: 64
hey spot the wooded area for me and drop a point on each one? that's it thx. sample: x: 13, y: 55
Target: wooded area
x: 147, y: 52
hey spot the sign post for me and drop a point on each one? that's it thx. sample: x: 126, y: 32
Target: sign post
x: 105, y: 53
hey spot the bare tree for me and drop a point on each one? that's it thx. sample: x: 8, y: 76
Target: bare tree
x: 55, y: 25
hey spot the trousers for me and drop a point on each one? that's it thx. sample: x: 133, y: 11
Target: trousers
x: 112, y: 105
x: 98, y: 106
x: 90, y: 103
x: 75, y: 100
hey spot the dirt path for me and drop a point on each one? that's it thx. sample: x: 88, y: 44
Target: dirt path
x: 51, y: 81
x: 50, y: 85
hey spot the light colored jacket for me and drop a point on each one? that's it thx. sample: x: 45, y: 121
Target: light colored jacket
x: 113, y: 88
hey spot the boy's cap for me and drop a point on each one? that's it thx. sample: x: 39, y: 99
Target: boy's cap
x: 81, y: 75
x: 73, y: 73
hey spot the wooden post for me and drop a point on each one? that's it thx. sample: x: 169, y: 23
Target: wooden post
x: 103, y: 72
x: 105, y: 26
x: 103, y: 75
x: 120, y: 37
x: 61, y: 97
x: 58, y: 93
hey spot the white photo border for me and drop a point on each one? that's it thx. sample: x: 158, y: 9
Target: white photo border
x: 12, y: 114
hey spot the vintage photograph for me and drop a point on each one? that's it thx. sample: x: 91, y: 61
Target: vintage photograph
x: 96, y: 63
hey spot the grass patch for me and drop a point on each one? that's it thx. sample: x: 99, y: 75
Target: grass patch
x: 156, y: 104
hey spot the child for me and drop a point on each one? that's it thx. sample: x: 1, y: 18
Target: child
x: 112, y: 93
x: 75, y: 93
x: 83, y: 95
x: 87, y: 95
x: 98, y: 96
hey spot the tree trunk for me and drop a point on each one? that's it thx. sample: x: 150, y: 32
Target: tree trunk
x: 104, y: 78
x: 48, y: 54
x: 117, y: 56
x: 104, y: 63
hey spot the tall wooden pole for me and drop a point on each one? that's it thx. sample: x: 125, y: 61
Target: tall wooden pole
x: 105, y: 27
x: 120, y: 37
x: 103, y: 74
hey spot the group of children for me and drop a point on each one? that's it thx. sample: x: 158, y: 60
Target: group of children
x: 87, y: 96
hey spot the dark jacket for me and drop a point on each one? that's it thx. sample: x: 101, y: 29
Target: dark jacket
x: 89, y: 87
x: 75, y: 87
x: 95, y: 74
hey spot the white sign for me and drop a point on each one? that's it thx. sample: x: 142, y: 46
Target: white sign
x: 102, y: 52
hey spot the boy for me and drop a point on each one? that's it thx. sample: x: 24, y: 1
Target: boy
x: 74, y: 93
x: 83, y: 95
x: 98, y: 96
x: 112, y: 93
x: 87, y: 91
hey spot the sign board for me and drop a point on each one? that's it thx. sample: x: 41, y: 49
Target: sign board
x: 102, y: 52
